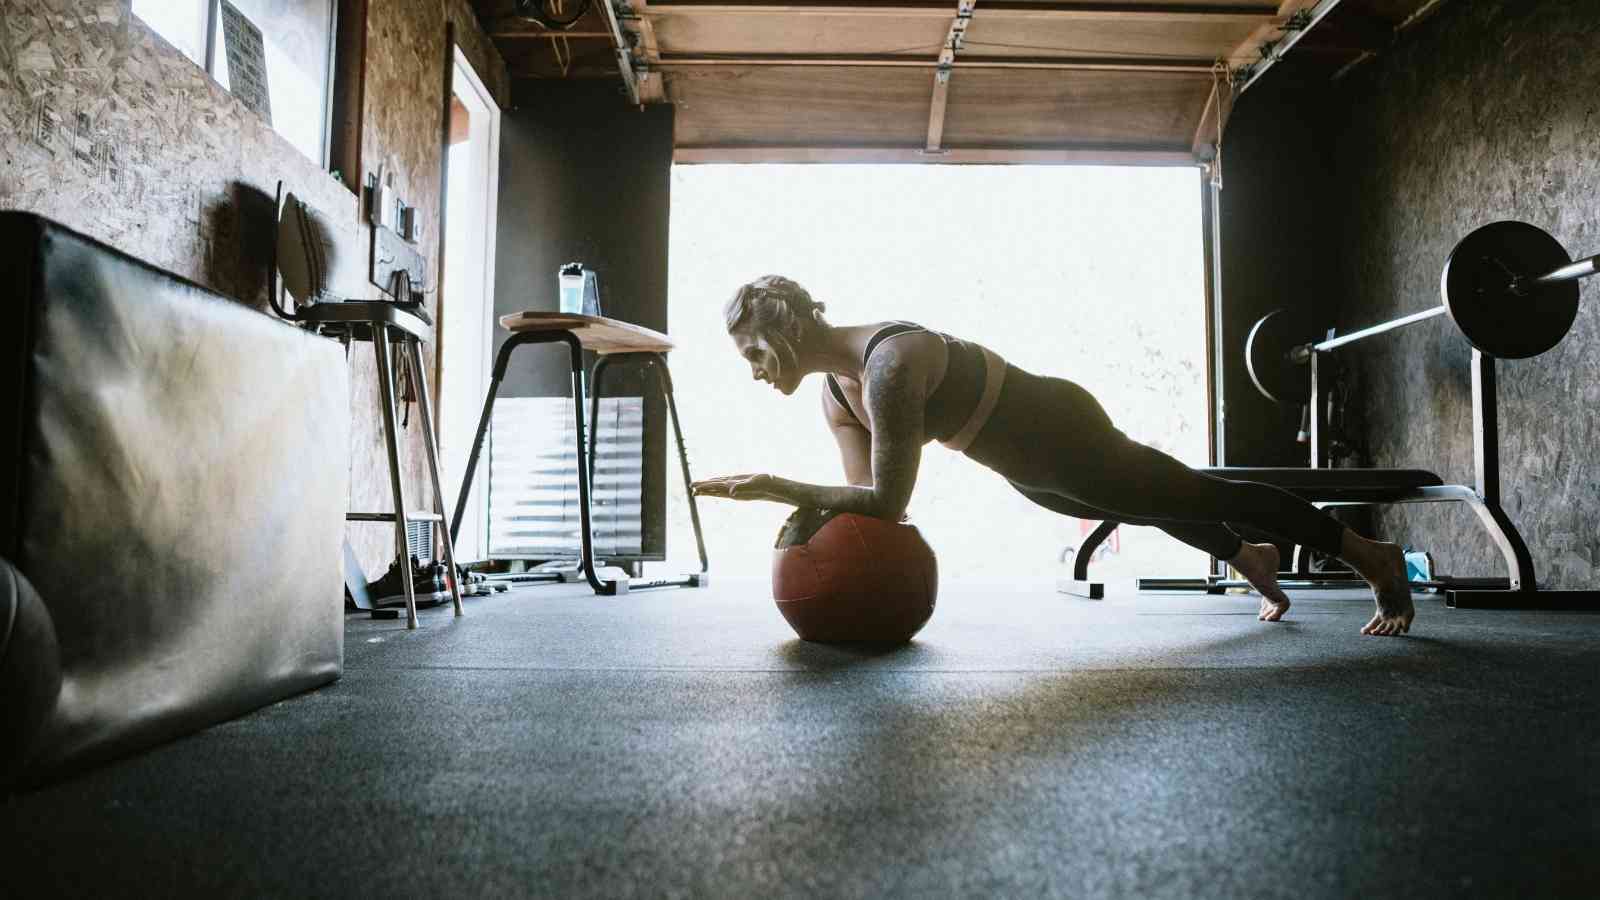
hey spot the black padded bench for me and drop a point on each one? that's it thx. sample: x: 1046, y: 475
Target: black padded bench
x: 1333, y: 485
x: 1361, y: 487
x: 173, y: 480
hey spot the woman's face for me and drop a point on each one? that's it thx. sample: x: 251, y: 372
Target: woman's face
x: 772, y: 359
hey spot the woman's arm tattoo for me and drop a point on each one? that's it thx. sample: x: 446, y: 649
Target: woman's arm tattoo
x: 894, y: 403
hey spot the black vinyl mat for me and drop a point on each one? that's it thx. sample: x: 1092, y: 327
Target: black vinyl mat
x: 683, y: 743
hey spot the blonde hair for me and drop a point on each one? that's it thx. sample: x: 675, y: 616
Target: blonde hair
x: 773, y: 305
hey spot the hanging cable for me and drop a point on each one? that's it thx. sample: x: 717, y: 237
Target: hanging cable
x: 552, y: 13
x: 1222, y: 101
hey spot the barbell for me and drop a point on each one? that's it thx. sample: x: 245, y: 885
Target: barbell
x: 1510, y: 288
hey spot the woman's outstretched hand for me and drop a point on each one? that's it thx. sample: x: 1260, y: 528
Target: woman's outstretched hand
x: 741, y: 487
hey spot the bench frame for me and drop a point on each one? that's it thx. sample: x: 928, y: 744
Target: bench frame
x: 1518, y: 590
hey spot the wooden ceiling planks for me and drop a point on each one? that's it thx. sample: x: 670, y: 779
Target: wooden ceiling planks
x: 1050, y: 80
x: 821, y: 77
x: 732, y: 106
x: 1116, y: 110
x: 832, y: 33
x: 992, y: 33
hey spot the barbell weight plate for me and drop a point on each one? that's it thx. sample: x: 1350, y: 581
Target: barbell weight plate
x: 1266, y: 354
x: 1477, y: 290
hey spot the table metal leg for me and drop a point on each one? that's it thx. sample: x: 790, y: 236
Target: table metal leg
x: 501, y: 363
x: 581, y: 439
x: 386, y: 392
x: 664, y: 375
x: 587, y: 442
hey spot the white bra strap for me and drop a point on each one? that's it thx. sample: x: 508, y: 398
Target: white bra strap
x: 994, y: 377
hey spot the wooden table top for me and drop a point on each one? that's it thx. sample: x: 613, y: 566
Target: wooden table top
x: 597, y: 333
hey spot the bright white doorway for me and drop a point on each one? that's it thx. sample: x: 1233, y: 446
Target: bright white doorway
x: 1091, y: 274
x: 466, y: 318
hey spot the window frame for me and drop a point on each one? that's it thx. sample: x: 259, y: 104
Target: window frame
x: 212, y: 50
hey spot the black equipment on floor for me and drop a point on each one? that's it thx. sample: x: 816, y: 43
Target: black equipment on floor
x: 172, y: 482
x: 617, y: 342
x: 1511, y: 289
x: 392, y: 328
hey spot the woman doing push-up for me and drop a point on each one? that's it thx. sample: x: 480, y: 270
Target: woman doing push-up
x: 894, y: 386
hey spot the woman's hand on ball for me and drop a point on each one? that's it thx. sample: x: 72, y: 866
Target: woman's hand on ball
x: 740, y: 487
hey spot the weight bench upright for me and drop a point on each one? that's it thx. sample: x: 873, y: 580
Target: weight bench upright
x: 616, y: 342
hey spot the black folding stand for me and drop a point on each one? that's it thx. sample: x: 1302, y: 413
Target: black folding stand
x: 586, y: 444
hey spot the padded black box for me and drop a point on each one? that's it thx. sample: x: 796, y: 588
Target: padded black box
x: 173, y: 480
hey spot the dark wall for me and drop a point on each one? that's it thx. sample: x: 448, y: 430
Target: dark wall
x: 1277, y: 214
x: 1343, y: 200
x: 585, y: 177
x: 1486, y: 112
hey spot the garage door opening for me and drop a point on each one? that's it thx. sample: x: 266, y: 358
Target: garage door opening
x: 1090, y: 274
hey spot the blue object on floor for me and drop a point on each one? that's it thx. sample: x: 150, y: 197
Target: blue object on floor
x: 1419, y: 566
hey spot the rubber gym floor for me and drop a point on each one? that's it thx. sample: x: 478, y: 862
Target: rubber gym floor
x: 1027, y: 744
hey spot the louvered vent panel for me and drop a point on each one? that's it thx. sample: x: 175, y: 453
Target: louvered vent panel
x: 533, y: 479
x: 419, y: 539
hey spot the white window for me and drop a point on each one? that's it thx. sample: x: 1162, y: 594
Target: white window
x: 284, y: 49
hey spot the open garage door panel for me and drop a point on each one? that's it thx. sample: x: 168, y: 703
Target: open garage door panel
x: 1112, y: 81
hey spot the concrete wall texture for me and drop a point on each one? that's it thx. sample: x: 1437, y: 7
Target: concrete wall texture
x: 1487, y: 112
x: 1484, y: 112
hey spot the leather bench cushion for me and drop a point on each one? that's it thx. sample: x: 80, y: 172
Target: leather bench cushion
x: 181, y: 469
x: 1359, y: 486
x: 1331, y: 479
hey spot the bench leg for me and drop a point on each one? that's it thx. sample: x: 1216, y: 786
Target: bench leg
x: 1080, y: 585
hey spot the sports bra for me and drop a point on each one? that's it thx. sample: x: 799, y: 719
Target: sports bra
x: 958, y: 408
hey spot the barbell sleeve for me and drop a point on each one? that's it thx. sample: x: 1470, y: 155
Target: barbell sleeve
x: 1583, y: 268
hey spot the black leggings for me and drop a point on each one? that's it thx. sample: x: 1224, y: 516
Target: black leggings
x: 1052, y: 440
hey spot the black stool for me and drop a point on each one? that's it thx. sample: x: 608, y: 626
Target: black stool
x: 387, y: 325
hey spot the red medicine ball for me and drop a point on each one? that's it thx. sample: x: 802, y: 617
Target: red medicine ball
x: 858, y: 578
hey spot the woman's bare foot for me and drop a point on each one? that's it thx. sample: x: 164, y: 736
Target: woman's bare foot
x: 1383, y: 565
x: 1258, y: 563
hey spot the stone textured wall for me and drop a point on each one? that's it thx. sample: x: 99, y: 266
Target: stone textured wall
x: 402, y: 132
x: 1486, y: 112
x: 111, y: 131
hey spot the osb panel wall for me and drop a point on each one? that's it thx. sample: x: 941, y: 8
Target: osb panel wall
x: 111, y: 131
x: 1487, y: 112
x: 402, y: 133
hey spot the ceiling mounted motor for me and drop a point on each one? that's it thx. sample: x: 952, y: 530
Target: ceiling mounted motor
x: 552, y: 13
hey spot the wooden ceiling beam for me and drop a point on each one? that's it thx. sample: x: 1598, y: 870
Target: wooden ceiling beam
x: 623, y: 52
x: 1053, y: 9
x: 1269, y: 43
x: 943, y: 70
x: 1064, y: 156
x: 551, y: 35
x: 847, y: 61
x: 651, y: 87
